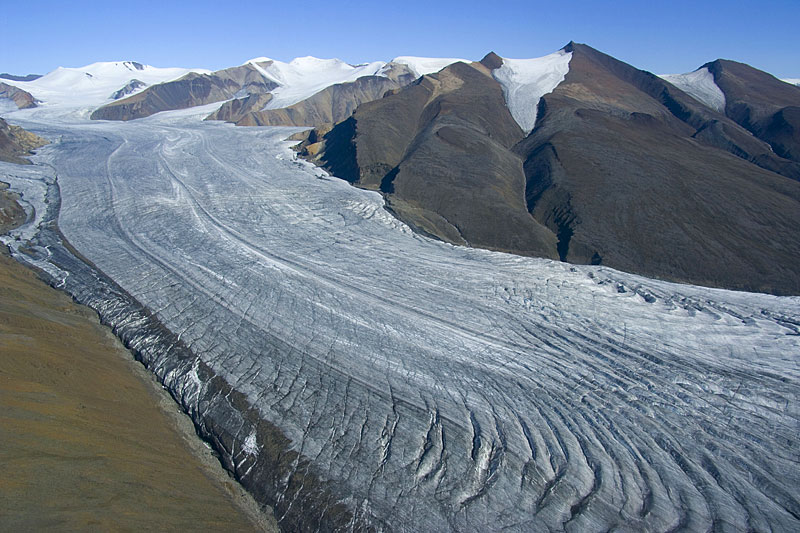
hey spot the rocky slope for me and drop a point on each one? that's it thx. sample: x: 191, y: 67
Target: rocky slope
x: 22, y: 99
x: 191, y: 90
x: 328, y: 106
x: 11, y: 213
x: 85, y: 443
x: 414, y: 145
x: 237, y: 109
x: 630, y: 171
x: 622, y: 169
x: 766, y: 106
x: 16, y: 143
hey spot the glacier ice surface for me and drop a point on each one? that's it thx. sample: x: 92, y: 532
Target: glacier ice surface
x: 440, y: 387
x: 699, y: 84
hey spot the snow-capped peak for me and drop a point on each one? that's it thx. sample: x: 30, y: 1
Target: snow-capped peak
x: 525, y: 81
x: 262, y: 59
x: 700, y: 85
x: 304, y: 76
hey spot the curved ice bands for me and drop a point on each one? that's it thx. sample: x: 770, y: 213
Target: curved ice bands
x: 440, y: 388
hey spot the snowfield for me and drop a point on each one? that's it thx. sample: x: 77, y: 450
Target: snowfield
x: 303, y: 77
x: 421, y: 66
x: 525, y: 81
x: 431, y: 387
x: 94, y: 84
x: 700, y: 85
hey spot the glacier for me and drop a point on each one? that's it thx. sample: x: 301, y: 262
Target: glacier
x: 356, y: 375
x: 700, y: 85
x: 525, y: 81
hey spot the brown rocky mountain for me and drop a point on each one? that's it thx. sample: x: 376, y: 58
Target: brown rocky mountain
x: 622, y: 169
x: 415, y: 145
x: 237, y: 109
x: 189, y: 91
x: 766, y: 106
x: 22, y: 99
x: 16, y: 143
x: 328, y: 106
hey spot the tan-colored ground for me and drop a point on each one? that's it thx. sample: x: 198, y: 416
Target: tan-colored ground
x: 16, y: 143
x: 88, y: 439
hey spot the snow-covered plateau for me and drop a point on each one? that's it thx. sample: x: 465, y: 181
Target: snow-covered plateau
x: 354, y: 374
x: 82, y: 87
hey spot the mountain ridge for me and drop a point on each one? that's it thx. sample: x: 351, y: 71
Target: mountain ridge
x: 613, y: 217
x: 450, y: 167
x: 288, y: 84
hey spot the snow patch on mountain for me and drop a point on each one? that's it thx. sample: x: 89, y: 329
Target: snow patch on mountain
x: 525, y: 81
x: 700, y: 85
x: 94, y: 84
x: 132, y: 87
x: 421, y: 66
x: 793, y: 81
x: 305, y: 76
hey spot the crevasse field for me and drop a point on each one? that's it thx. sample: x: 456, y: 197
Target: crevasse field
x: 435, y: 387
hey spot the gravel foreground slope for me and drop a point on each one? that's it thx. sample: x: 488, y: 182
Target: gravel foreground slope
x: 88, y: 439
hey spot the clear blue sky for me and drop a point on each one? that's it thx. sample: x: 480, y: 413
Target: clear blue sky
x: 663, y: 37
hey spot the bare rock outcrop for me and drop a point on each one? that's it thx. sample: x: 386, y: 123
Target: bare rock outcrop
x: 22, y: 99
x: 764, y: 105
x: 16, y: 143
x: 129, y: 88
